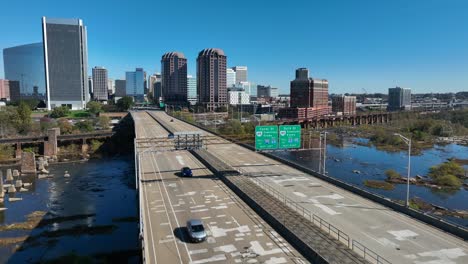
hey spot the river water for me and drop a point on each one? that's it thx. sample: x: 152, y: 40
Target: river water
x: 372, y: 163
x: 99, y: 192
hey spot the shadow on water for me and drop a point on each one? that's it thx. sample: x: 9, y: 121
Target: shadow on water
x: 76, y: 218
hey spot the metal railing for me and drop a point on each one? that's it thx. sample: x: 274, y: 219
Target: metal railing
x: 330, y: 229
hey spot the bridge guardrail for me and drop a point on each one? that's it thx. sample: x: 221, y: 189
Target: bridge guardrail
x: 333, y: 231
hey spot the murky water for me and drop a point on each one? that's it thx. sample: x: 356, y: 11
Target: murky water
x: 100, y: 193
x: 372, y: 163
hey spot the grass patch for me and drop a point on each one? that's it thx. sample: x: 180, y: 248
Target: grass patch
x: 78, y: 114
x: 379, y: 185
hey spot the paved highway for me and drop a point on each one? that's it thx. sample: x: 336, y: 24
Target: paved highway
x: 235, y: 233
x: 395, y: 236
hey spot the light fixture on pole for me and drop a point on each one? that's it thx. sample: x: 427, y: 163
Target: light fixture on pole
x: 408, y: 142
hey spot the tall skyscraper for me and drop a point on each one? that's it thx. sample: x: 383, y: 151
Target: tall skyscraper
x: 120, y: 89
x: 191, y: 89
x: 241, y: 73
x: 4, y: 90
x: 230, y: 77
x: 100, y: 83
x: 399, y: 99
x: 66, y: 62
x: 211, y: 78
x: 308, y: 92
x: 174, y: 78
x: 135, y: 84
x: 25, y: 64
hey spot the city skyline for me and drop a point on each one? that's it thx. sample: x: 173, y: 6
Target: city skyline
x: 366, y: 47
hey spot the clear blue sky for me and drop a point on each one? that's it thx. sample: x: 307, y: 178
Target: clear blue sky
x: 370, y: 44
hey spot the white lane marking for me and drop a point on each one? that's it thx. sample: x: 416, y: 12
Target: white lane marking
x: 235, y: 221
x: 402, y: 234
x: 180, y: 159
x: 300, y: 194
x: 258, y: 249
x: 212, y: 259
x: 219, y: 232
x: 275, y: 260
x: 291, y: 179
x: 199, y: 210
x: 162, y: 241
x: 187, y: 194
x: 198, y: 251
x: 154, y: 162
x: 327, y: 209
x: 225, y: 248
x: 443, y: 256
x: 324, y: 208
x: 219, y: 207
x: 334, y: 196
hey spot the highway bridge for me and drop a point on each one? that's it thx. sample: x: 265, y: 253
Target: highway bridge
x: 355, y: 229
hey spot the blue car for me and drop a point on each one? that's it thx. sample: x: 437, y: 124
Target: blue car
x: 186, y: 172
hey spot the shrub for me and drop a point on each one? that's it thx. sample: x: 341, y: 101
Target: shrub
x: 60, y: 111
x: 392, y: 175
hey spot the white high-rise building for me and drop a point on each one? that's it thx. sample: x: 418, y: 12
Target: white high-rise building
x: 191, y: 89
x: 230, y: 77
x: 238, y: 98
x: 111, y: 86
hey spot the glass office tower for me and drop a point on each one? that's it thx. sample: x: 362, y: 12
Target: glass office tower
x: 66, y: 62
x: 135, y: 84
x: 25, y: 64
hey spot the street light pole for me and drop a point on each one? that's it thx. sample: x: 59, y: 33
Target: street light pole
x: 325, y: 152
x: 320, y: 153
x: 408, y: 142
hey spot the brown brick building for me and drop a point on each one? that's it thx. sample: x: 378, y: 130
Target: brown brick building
x: 308, y: 94
x: 346, y: 105
x: 174, y: 78
x: 211, y: 78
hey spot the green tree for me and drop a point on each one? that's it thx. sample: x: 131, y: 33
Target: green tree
x: 125, y: 103
x: 84, y: 126
x: 94, y: 107
x: 103, y: 122
x: 24, y: 118
x: 65, y: 126
x: 59, y: 112
x: 8, y: 121
x: 447, y: 174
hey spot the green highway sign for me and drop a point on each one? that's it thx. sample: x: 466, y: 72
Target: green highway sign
x: 289, y: 136
x: 266, y: 137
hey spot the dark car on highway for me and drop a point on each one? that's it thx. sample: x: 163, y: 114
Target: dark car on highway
x: 186, y: 172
